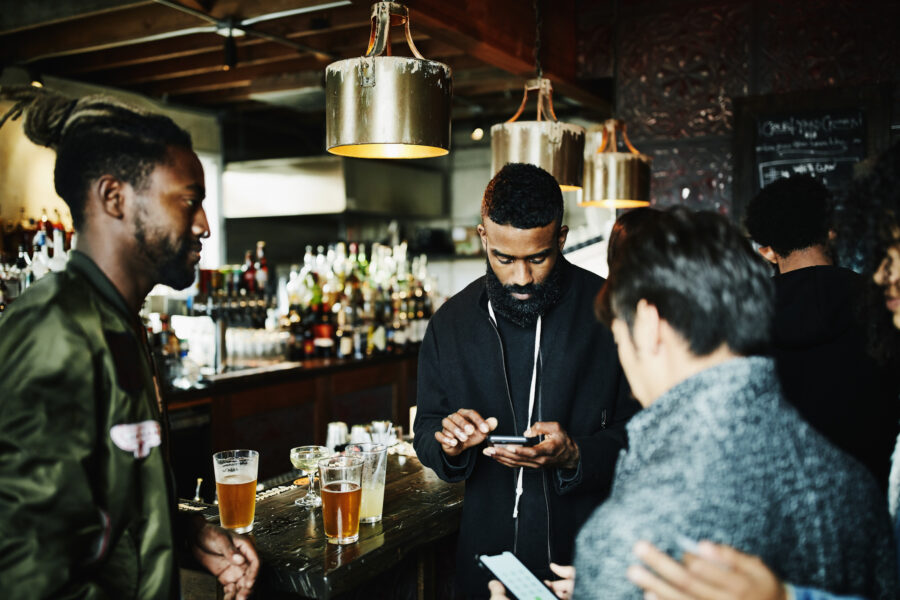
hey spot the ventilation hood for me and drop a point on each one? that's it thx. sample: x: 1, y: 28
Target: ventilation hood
x: 330, y: 185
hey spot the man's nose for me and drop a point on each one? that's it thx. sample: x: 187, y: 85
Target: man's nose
x: 200, y: 227
x: 522, y: 273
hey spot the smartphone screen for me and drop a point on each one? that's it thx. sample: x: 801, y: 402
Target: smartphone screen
x: 515, y: 577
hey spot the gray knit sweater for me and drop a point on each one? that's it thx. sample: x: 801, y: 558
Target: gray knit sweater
x: 721, y: 456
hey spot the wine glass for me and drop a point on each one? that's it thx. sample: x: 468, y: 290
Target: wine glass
x: 306, y: 458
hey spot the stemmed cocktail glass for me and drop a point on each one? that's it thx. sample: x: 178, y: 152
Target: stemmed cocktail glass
x: 307, y: 458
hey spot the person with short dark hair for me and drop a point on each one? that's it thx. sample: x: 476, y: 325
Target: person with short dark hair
x: 818, y: 340
x: 518, y: 352
x: 88, y: 507
x: 717, y: 454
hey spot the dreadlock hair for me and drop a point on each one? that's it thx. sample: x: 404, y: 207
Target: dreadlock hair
x: 524, y: 196
x: 93, y: 136
x: 866, y: 223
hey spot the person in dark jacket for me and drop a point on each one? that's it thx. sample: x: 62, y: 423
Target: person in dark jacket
x: 818, y: 341
x: 518, y: 352
x: 88, y: 507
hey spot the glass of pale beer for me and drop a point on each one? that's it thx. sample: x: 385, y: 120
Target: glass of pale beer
x: 374, y: 470
x: 236, y: 488
x: 341, y: 479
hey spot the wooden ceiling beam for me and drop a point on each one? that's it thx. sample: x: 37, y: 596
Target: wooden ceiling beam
x: 126, y: 24
x: 237, y: 77
x: 297, y: 28
x: 249, y: 52
x: 184, y: 73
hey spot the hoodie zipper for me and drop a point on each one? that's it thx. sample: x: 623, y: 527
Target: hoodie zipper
x: 544, y: 475
x: 512, y: 411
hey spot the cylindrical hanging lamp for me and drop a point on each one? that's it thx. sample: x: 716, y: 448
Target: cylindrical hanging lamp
x: 556, y: 147
x: 387, y: 106
x: 614, y: 179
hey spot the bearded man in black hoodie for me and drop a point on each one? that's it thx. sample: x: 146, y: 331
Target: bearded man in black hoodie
x: 818, y: 342
x: 519, y: 352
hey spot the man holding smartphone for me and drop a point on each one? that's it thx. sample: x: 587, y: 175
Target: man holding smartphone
x: 519, y: 353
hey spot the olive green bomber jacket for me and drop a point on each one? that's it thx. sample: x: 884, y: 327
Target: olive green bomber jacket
x: 86, y: 505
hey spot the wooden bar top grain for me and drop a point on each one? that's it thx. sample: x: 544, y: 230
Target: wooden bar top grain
x: 419, y: 509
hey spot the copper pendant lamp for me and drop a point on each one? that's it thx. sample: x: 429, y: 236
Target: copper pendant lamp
x: 384, y: 106
x: 614, y: 179
x: 556, y: 147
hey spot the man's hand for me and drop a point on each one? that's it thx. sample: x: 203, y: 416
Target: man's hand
x: 715, y: 572
x: 561, y: 587
x: 557, y: 449
x: 462, y: 430
x: 227, y: 555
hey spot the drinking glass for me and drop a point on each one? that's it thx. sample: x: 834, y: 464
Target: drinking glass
x: 236, y: 488
x: 306, y: 458
x: 341, y: 478
x: 374, y: 470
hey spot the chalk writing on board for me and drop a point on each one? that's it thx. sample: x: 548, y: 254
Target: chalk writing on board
x: 824, y: 144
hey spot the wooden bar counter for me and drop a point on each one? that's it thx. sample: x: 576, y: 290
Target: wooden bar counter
x: 419, y: 510
x: 274, y: 408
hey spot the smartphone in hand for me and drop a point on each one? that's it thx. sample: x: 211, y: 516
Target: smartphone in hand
x: 513, y: 440
x: 516, y: 578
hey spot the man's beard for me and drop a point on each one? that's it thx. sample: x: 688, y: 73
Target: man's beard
x: 169, y: 259
x: 524, y: 313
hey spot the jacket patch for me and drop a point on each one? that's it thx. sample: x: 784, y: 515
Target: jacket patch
x: 127, y: 359
x: 137, y: 438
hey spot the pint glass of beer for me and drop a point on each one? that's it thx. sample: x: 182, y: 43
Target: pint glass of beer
x: 341, y: 478
x: 374, y: 470
x: 236, y: 487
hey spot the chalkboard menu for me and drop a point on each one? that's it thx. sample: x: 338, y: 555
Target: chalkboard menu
x: 823, y: 133
x: 822, y: 143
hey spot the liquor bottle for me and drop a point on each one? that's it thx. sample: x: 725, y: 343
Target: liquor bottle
x: 40, y: 260
x: 23, y: 266
x: 248, y: 275
x: 2, y: 236
x: 45, y: 225
x: 58, y: 262
x: 3, y: 298
x: 261, y: 268
x: 362, y: 263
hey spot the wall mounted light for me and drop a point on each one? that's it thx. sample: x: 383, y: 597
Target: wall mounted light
x: 384, y: 106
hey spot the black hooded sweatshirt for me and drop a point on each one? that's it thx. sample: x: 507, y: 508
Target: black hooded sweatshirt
x: 820, y: 352
x: 581, y: 386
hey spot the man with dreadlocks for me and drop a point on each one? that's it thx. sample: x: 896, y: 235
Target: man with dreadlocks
x: 87, y: 507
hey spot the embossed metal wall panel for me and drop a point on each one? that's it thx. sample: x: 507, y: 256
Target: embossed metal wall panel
x: 812, y: 44
x: 679, y: 68
x: 595, y: 38
x: 696, y: 175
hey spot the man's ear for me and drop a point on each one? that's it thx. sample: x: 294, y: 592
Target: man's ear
x: 646, y: 331
x: 768, y: 254
x: 563, y: 233
x: 111, y: 192
x: 482, y: 233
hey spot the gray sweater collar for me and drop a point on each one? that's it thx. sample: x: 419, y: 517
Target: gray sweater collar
x: 709, y: 392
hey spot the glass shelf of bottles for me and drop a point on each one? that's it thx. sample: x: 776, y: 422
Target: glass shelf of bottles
x: 339, y: 303
x: 29, y: 249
